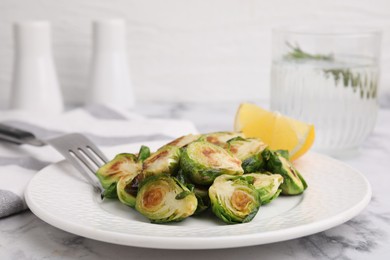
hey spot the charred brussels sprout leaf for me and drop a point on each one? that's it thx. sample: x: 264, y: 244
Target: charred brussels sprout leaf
x: 293, y: 182
x: 267, y: 185
x: 122, y: 165
x: 164, y: 199
x: 234, y: 199
x: 220, y: 138
x: 143, y: 154
x: 164, y: 161
x: 202, y: 162
x: 249, y: 152
x: 183, y: 141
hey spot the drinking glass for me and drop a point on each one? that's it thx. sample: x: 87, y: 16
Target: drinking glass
x: 328, y: 77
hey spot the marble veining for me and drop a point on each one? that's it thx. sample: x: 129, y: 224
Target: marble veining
x: 24, y: 236
x: 333, y: 244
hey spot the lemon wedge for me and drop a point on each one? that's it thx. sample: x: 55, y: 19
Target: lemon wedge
x: 274, y: 129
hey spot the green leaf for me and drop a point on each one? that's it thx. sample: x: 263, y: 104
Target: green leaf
x: 238, y: 138
x: 183, y: 194
x: 297, y: 53
x: 143, y: 154
x: 284, y: 153
x: 110, y: 192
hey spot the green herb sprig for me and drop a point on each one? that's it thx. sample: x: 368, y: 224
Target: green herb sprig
x: 297, y: 53
x: 349, y: 78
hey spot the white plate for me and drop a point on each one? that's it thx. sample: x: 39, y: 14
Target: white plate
x: 60, y: 196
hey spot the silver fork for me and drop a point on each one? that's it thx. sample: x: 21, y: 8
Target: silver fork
x: 77, y: 149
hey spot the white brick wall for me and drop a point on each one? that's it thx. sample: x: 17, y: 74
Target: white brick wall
x: 184, y: 49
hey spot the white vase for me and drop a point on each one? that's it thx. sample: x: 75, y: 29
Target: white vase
x: 109, y: 77
x: 35, y: 86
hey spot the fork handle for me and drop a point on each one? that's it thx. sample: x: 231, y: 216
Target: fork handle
x: 18, y: 136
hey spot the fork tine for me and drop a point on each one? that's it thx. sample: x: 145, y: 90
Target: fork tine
x: 71, y: 157
x: 78, y: 160
x: 91, y: 156
x: 90, y: 147
x: 96, y: 151
x: 82, y: 154
x: 82, y: 159
x: 81, y: 139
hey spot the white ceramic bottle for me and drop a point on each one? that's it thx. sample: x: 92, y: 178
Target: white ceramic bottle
x: 35, y: 86
x: 109, y: 78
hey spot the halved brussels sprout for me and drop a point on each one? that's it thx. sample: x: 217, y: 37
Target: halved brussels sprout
x: 183, y: 140
x: 249, y: 152
x: 109, y: 174
x: 234, y: 199
x: 267, y: 185
x: 220, y: 138
x: 163, y: 198
x: 293, y: 182
x: 163, y: 161
x: 144, y: 153
x: 125, y: 190
x: 202, y: 162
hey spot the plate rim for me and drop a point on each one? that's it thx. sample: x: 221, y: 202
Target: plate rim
x: 214, y: 242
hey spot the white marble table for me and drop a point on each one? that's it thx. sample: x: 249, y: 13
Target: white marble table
x: 366, y: 236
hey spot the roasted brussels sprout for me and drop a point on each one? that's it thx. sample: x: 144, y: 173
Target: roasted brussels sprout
x: 234, y: 199
x: 163, y: 198
x: 183, y: 140
x: 125, y: 190
x: 220, y: 138
x: 267, y: 185
x: 143, y: 154
x: 109, y: 174
x: 293, y: 182
x: 163, y: 161
x: 249, y: 152
x: 202, y: 162
x: 124, y: 195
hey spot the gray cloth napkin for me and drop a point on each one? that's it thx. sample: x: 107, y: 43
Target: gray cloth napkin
x: 105, y: 126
